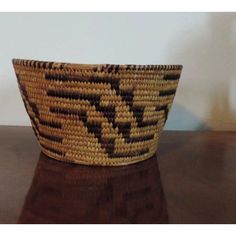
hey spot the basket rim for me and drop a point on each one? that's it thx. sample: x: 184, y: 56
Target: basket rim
x: 38, y: 64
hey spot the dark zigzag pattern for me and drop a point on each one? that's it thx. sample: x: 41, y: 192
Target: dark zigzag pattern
x: 96, y: 129
x: 108, y: 112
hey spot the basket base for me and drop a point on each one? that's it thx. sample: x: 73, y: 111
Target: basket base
x: 80, y: 162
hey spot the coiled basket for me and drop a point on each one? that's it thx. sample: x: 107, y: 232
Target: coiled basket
x: 97, y: 114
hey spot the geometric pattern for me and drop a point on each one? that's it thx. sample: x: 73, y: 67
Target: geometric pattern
x: 97, y: 114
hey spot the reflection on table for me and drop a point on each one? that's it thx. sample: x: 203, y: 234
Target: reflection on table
x: 68, y: 193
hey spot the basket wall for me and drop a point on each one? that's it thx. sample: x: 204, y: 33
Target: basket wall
x: 97, y: 114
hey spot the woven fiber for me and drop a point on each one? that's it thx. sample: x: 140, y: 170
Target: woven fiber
x: 97, y: 114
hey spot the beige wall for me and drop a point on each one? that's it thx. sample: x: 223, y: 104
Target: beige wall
x: 203, y: 42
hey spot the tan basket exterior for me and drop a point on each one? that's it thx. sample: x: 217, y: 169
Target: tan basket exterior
x: 97, y: 114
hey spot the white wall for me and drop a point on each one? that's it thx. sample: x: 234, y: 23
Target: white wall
x: 203, y: 42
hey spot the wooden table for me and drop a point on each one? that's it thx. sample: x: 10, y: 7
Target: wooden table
x: 193, y: 181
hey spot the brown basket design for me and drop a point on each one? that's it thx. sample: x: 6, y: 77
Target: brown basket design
x: 97, y: 114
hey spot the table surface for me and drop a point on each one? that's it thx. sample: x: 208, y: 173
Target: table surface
x: 191, y: 180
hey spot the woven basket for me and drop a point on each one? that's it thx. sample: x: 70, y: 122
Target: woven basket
x: 65, y: 193
x: 97, y: 114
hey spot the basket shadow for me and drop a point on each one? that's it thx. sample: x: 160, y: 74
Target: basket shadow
x: 208, y: 85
